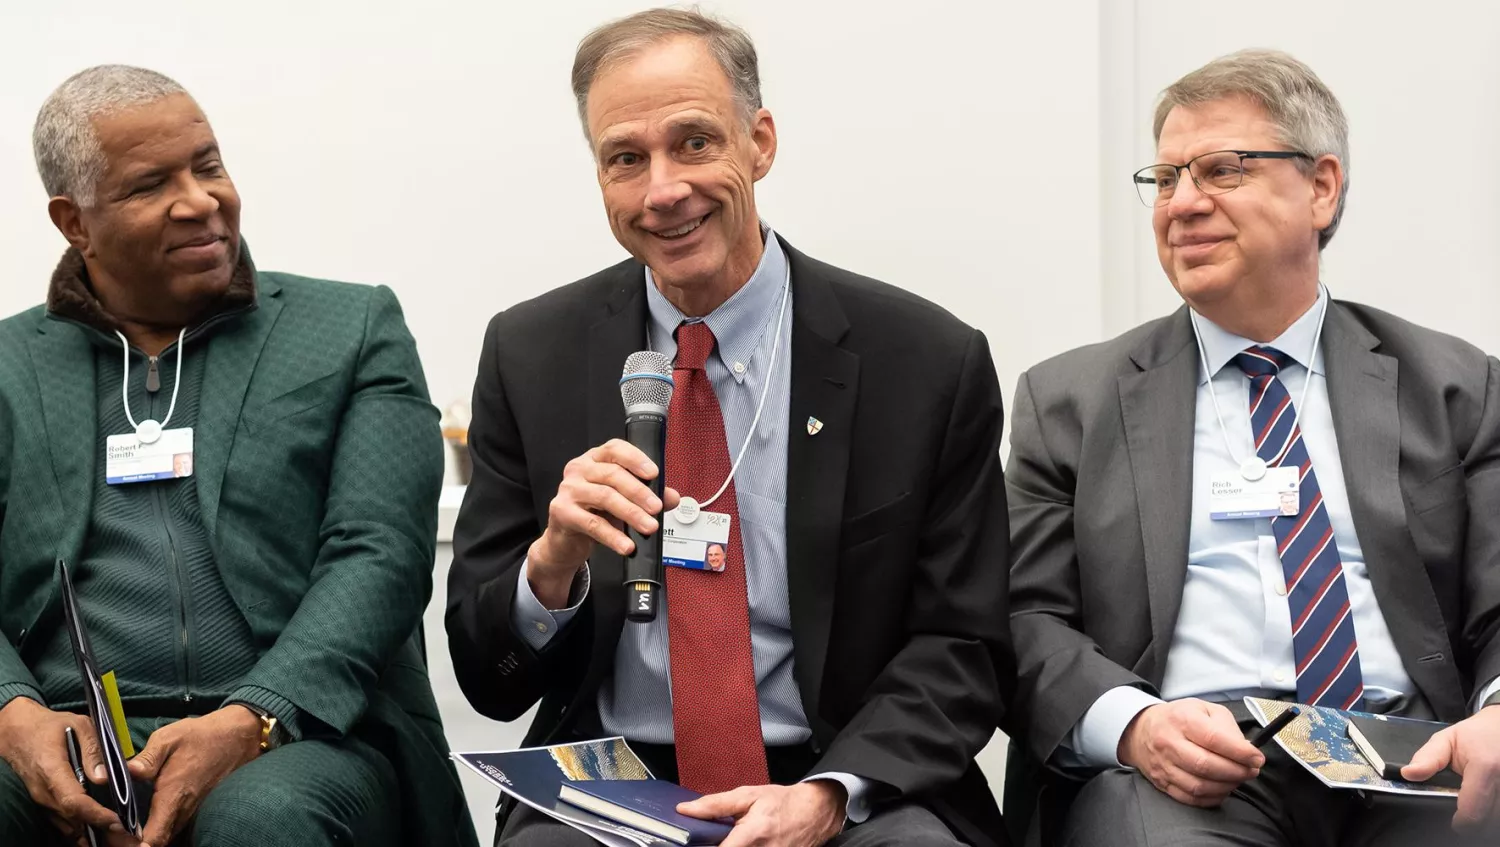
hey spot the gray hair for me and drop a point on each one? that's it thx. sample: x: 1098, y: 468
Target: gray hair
x: 68, y: 155
x: 1308, y: 117
x: 730, y: 46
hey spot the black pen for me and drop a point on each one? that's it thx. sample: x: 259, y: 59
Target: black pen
x: 75, y: 759
x: 1277, y: 724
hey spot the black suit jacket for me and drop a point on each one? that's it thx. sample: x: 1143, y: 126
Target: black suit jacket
x: 897, y: 540
x: 1100, y: 488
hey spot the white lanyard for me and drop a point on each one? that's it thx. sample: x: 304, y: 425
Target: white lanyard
x: 148, y: 431
x: 688, y: 508
x: 1254, y: 467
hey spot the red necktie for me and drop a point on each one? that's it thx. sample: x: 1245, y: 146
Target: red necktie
x: 715, y: 711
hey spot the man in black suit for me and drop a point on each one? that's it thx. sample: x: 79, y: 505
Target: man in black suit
x: 848, y: 662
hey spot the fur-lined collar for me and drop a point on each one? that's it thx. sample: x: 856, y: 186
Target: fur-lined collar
x: 71, y: 295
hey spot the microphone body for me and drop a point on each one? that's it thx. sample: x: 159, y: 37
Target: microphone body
x: 646, y: 391
x: 647, y: 431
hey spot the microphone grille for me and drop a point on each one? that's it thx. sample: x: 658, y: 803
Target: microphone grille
x: 646, y: 382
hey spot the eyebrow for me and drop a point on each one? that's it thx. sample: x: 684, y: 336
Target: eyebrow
x: 688, y: 124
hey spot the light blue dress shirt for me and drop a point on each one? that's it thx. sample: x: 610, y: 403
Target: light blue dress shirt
x: 1234, y: 632
x: 635, y: 701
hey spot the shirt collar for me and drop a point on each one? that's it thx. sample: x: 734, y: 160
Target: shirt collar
x: 1221, y: 345
x: 738, y: 323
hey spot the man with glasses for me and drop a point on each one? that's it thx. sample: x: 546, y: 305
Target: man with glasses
x: 1156, y: 580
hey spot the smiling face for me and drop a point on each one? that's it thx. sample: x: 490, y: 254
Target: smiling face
x: 163, y: 234
x: 678, y: 166
x: 1255, y: 245
x: 715, y: 557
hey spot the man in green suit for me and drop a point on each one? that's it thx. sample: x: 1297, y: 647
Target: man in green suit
x: 241, y: 470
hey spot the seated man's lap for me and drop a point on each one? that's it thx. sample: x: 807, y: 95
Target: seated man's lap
x: 905, y: 825
x: 1122, y: 807
x: 307, y: 793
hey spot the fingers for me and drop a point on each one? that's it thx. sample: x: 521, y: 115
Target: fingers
x: 1435, y: 755
x: 617, y: 451
x: 612, y: 489
x: 728, y: 804
x: 576, y: 519
x: 1192, y: 790
x: 93, y: 755
x: 1476, y: 801
x: 171, y: 806
x: 672, y: 498
x: 76, y: 806
x: 1213, y: 728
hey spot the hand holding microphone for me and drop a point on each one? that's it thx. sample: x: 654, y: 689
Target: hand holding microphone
x: 605, y: 489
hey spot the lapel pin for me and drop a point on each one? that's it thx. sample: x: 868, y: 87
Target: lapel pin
x: 814, y: 426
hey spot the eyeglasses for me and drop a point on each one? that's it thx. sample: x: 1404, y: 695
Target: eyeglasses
x: 1219, y: 172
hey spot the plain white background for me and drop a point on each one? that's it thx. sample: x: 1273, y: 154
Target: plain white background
x: 977, y: 153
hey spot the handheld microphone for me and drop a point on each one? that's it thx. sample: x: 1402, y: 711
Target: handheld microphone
x: 646, y: 390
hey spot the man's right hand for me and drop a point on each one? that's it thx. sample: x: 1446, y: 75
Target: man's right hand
x: 33, y: 743
x: 1191, y: 750
x: 600, y: 491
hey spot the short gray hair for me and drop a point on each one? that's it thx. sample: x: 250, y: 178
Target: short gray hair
x: 730, y: 46
x: 68, y: 155
x: 1307, y: 115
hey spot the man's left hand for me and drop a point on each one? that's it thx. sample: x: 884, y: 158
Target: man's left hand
x: 1472, y: 749
x: 186, y: 760
x: 807, y: 814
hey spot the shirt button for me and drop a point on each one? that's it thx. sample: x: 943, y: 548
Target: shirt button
x: 1281, y: 591
x: 1279, y: 677
x: 739, y: 367
x: 541, y: 627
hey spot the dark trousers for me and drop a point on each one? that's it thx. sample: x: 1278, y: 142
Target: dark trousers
x: 1284, y: 807
x: 306, y: 794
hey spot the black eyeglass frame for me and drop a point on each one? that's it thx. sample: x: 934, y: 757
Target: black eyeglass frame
x: 1140, y: 180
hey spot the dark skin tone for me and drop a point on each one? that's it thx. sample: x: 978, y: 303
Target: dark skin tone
x: 160, y: 241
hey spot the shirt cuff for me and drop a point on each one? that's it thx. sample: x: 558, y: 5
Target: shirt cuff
x: 857, y: 810
x: 286, y: 713
x: 11, y: 691
x: 1486, y: 694
x: 1095, y: 741
x: 534, y: 621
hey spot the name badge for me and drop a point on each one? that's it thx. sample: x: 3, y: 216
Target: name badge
x: 127, y: 460
x: 701, y: 545
x: 1232, y: 497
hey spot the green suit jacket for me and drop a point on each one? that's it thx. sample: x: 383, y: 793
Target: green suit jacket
x: 319, y: 463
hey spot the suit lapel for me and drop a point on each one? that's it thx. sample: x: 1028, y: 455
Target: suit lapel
x: 233, y: 352
x: 824, y: 385
x: 1158, y: 407
x: 63, y: 360
x: 620, y: 333
x: 1362, y: 391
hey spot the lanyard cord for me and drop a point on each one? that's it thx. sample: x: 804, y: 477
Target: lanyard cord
x: 176, y: 382
x: 765, y: 392
x: 1312, y: 358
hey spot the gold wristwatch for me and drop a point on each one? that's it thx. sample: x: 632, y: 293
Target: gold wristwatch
x: 272, y: 733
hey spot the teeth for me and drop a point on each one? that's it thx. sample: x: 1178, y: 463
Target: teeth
x: 682, y: 230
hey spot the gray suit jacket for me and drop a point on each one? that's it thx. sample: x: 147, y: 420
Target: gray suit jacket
x: 1100, y: 487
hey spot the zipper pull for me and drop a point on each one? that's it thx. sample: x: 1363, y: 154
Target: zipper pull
x: 153, y: 379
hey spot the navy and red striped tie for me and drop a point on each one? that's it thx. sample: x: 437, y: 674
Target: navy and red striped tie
x: 1323, y: 640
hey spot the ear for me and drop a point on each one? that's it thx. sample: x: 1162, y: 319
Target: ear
x: 68, y: 218
x: 1327, y: 189
x: 763, y: 136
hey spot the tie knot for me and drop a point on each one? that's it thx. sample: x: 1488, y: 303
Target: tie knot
x: 695, y: 341
x: 1261, y: 361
